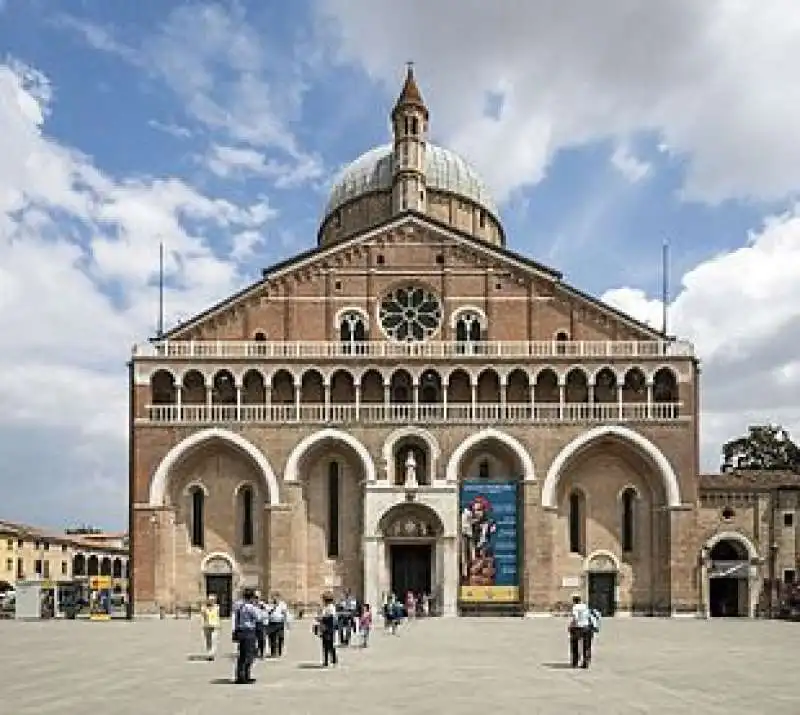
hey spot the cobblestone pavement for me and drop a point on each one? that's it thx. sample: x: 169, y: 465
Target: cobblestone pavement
x: 464, y: 666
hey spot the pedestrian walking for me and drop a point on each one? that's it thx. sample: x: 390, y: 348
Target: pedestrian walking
x: 246, y: 616
x: 209, y: 615
x: 326, y: 630
x: 581, y: 629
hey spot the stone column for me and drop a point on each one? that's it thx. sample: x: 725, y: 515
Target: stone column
x: 372, y: 569
x: 537, y: 566
x: 683, y: 594
x: 298, y: 391
x: 282, y: 564
x: 448, y: 575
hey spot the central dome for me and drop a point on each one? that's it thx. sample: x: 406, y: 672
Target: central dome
x: 444, y: 171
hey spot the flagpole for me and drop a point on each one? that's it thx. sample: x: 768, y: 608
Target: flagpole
x: 160, y: 328
x: 664, y: 287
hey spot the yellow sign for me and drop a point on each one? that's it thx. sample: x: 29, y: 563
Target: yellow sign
x: 99, y: 617
x: 100, y: 583
x: 489, y: 594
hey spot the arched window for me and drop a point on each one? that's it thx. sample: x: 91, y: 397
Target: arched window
x: 628, y: 517
x: 562, y: 339
x: 577, y: 507
x: 198, y: 516
x: 469, y: 331
x: 79, y: 565
x: 246, y: 496
x: 93, y: 566
x: 352, y: 331
x: 483, y: 469
x: 333, y: 510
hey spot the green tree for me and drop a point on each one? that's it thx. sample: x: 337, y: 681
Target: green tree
x: 766, y: 447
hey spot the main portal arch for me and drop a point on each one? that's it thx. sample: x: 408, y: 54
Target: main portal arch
x: 409, y: 551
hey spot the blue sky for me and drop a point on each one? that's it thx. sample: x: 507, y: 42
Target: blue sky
x: 217, y: 127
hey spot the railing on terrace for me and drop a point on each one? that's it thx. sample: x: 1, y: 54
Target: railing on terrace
x: 368, y: 413
x: 217, y: 349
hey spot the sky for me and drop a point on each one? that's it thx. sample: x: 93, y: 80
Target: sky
x: 217, y: 127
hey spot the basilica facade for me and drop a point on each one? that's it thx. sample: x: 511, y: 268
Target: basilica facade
x: 413, y: 406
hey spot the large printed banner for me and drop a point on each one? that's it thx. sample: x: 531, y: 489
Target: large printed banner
x: 489, y: 542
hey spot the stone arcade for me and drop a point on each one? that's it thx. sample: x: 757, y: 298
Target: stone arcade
x: 314, y: 431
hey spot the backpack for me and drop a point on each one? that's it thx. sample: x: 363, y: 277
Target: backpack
x: 594, y: 620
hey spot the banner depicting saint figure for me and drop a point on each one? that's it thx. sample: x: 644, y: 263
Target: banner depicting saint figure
x: 489, y: 542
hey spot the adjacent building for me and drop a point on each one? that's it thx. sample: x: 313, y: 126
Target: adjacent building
x: 411, y: 405
x: 30, y: 553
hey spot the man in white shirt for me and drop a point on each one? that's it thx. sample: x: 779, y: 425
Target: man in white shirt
x: 278, y: 616
x: 581, y: 632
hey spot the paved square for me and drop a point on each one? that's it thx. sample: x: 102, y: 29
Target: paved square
x: 439, y: 666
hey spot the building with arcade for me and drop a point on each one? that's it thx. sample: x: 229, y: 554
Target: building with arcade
x: 413, y: 405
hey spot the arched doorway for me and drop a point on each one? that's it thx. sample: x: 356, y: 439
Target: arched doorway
x: 602, y: 581
x: 218, y: 574
x: 729, y: 579
x: 410, y: 534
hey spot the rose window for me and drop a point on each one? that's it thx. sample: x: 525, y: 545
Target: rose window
x: 410, y: 314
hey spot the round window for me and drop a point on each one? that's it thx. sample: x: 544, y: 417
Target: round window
x: 410, y: 314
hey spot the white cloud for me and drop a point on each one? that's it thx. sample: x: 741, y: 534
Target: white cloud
x: 714, y: 80
x: 242, y: 162
x: 741, y: 311
x: 629, y: 165
x: 214, y: 60
x: 174, y: 130
x: 67, y: 231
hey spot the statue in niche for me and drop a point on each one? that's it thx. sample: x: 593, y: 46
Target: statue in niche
x: 411, y: 469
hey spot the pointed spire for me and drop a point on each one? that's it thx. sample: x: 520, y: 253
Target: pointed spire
x: 410, y: 96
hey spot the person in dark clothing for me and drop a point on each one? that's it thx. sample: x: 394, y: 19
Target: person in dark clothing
x: 246, y: 616
x: 327, y: 631
x: 261, y: 627
x: 278, y: 614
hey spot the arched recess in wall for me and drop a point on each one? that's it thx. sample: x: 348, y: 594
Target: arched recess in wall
x: 160, y: 480
x: 624, y: 434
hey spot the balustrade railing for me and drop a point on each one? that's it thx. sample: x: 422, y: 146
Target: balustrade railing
x: 320, y: 350
x: 371, y: 413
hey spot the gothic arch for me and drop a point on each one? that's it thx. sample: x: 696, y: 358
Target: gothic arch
x: 388, y: 449
x: 458, y: 312
x: 736, y: 536
x: 158, y: 484
x: 292, y: 473
x: 219, y: 555
x: 668, y: 476
x: 490, y: 433
x: 376, y: 522
x: 601, y: 553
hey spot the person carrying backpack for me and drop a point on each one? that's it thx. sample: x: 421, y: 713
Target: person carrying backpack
x: 584, y: 622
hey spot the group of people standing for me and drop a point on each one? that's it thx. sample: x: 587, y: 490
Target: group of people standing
x: 255, y: 623
x: 341, y: 622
